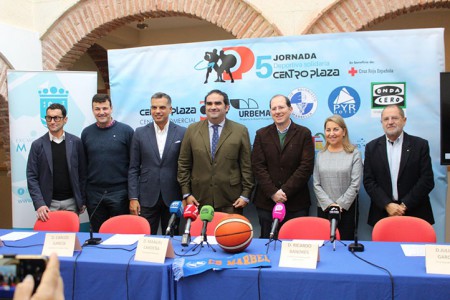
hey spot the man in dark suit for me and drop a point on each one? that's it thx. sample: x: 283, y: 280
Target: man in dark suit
x: 397, y: 171
x: 282, y: 162
x: 152, y: 176
x: 214, y: 167
x: 56, y: 168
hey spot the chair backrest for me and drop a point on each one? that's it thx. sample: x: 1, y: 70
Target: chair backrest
x: 60, y: 220
x: 196, y: 227
x: 126, y: 224
x: 403, y: 229
x: 307, y: 228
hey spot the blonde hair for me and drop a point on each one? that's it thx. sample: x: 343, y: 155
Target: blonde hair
x: 348, y: 147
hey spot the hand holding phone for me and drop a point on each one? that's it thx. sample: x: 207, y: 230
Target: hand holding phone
x: 50, y: 288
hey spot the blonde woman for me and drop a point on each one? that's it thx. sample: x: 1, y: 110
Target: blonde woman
x: 337, y: 175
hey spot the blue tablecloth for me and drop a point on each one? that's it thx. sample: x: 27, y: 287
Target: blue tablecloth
x: 107, y: 272
x: 339, y: 275
x: 103, y: 272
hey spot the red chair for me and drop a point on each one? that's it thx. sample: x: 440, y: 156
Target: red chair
x: 307, y: 228
x: 403, y: 229
x: 196, y: 226
x: 60, y: 220
x: 125, y: 224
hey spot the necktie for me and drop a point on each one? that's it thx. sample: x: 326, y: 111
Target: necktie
x: 215, y: 140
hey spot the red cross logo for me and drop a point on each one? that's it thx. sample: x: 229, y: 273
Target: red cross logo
x: 352, y: 71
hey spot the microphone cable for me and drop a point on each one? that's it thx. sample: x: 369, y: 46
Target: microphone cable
x: 25, y: 246
x: 391, y: 278
x: 74, y: 273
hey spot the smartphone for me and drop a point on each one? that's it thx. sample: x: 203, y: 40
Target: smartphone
x: 14, y: 268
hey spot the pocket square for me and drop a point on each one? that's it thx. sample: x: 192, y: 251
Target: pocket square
x: 177, y: 142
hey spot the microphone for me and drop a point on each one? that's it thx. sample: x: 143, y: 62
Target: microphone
x: 92, y: 240
x: 356, y: 247
x: 176, y: 209
x: 334, y: 215
x: 206, y: 215
x: 278, y: 214
x: 190, y: 214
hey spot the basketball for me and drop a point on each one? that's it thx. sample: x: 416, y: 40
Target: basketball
x: 234, y: 233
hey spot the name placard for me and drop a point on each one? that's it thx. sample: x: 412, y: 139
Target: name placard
x: 297, y: 254
x: 155, y: 250
x: 63, y: 244
x: 437, y: 259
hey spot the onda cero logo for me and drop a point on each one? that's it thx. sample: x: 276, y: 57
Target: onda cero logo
x: 226, y: 64
x: 387, y: 93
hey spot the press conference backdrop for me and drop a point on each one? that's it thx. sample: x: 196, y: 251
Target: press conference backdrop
x: 354, y: 75
x: 29, y: 95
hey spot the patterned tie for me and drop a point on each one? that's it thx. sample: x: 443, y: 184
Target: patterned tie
x: 215, y: 140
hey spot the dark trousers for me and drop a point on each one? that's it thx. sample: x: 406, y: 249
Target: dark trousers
x: 265, y: 220
x: 159, y: 212
x: 346, y: 225
x: 112, y: 204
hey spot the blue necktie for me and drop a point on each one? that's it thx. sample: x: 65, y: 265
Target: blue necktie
x: 215, y: 140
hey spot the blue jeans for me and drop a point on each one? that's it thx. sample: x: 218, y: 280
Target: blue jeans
x: 113, y: 203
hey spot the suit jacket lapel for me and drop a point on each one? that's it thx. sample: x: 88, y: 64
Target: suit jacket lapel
x: 405, y: 153
x: 204, y: 134
x: 226, y: 131
x: 290, y: 134
x: 382, y: 155
x: 169, y: 140
x: 69, y: 150
x: 48, y: 151
x: 151, y: 135
x: 274, y: 137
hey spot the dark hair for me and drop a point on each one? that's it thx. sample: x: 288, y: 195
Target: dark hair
x: 288, y: 102
x: 58, y: 106
x: 223, y: 94
x: 100, y: 98
x: 160, y: 95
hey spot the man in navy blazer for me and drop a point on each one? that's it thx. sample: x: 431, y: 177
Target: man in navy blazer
x: 397, y: 171
x: 152, y: 176
x: 56, y: 168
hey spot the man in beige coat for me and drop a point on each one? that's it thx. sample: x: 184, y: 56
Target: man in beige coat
x: 222, y: 177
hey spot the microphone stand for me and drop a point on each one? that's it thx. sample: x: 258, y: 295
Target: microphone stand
x: 92, y: 240
x: 204, y: 240
x: 356, y: 247
x: 272, y: 239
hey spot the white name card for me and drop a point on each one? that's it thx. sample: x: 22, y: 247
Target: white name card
x: 437, y: 259
x: 297, y: 254
x: 155, y: 250
x: 63, y: 244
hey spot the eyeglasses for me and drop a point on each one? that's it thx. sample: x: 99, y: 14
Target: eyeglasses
x: 56, y: 119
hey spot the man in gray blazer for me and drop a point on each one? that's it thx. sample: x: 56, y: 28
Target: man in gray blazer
x: 56, y: 167
x: 152, y: 176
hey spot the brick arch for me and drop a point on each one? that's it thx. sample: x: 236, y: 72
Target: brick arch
x: 4, y: 111
x: 87, y: 21
x: 354, y: 15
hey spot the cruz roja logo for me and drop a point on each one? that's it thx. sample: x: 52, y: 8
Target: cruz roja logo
x: 344, y: 101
